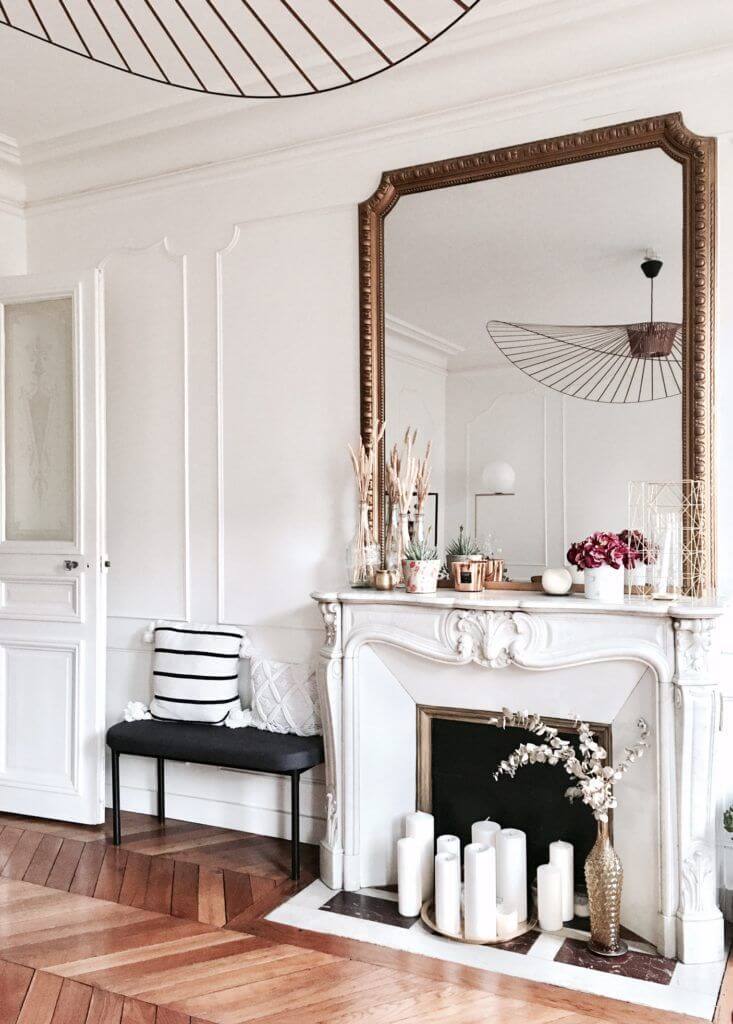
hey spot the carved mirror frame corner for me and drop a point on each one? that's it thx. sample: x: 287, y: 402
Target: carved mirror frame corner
x: 696, y: 154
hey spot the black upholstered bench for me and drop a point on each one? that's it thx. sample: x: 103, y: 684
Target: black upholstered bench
x: 249, y: 749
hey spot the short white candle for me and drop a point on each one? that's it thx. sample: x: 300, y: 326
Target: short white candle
x: 420, y: 825
x: 506, y: 921
x: 409, y: 877
x: 485, y: 832
x: 480, y: 893
x: 451, y: 844
x: 582, y: 908
x: 549, y: 897
x: 448, y: 893
x: 562, y: 856
x: 511, y: 870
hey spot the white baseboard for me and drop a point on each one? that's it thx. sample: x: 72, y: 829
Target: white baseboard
x: 260, y: 820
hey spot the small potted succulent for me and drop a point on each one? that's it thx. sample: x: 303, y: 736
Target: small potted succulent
x: 601, y: 557
x: 646, y: 552
x: 463, y: 548
x: 420, y: 567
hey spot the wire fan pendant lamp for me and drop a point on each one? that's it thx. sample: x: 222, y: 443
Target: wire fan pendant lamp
x: 618, y: 364
x: 248, y: 48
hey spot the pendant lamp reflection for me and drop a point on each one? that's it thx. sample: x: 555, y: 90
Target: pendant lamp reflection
x: 246, y: 48
x: 617, y: 364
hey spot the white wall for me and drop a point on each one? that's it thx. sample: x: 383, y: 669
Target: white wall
x: 12, y: 241
x: 245, y: 367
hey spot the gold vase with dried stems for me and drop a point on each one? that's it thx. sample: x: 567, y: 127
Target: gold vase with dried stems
x: 593, y: 783
x: 363, y: 556
x: 401, y: 476
x: 422, y: 489
x: 393, y: 546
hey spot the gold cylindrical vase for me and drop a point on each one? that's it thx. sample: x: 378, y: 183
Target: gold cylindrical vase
x: 604, y: 876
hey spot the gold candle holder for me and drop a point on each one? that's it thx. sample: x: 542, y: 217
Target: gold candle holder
x: 493, y: 570
x: 468, y: 575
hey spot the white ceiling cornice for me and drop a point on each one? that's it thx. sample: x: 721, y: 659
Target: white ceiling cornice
x: 414, y: 344
x: 9, y: 151
x: 55, y: 184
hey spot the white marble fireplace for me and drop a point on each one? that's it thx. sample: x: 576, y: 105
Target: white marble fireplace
x: 387, y: 655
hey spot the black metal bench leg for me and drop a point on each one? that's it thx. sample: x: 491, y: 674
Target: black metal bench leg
x: 161, y: 789
x: 295, y: 826
x: 116, y: 830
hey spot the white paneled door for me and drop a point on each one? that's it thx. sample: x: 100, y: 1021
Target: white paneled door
x: 52, y: 559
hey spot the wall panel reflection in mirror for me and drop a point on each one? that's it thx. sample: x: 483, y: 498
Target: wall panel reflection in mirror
x: 515, y: 339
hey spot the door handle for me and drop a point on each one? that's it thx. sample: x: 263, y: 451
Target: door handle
x: 69, y: 564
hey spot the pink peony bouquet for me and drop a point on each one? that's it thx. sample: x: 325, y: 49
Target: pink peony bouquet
x: 646, y: 551
x: 602, y: 549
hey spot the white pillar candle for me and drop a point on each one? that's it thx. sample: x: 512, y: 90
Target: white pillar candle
x: 485, y: 832
x: 449, y: 844
x: 420, y: 825
x: 409, y: 877
x: 448, y: 893
x: 506, y: 921
x: 480, y: 893
x: 452, y: 845
x: 562, y: 856
x: 549, y: 897
x: 511, y: 870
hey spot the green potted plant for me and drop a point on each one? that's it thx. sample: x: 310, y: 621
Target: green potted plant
x: 421, y: 566
x: 463, y: 548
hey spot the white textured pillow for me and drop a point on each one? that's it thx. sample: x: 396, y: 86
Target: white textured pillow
x: 195, y: 672
x: 284, y: 697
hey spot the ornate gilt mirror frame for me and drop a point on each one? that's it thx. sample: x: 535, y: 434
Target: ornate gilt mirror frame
x: 696, y: 154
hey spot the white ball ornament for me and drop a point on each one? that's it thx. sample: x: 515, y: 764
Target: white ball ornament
x: 556, y: 581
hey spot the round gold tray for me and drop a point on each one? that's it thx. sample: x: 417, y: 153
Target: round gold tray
x: 427, y: 915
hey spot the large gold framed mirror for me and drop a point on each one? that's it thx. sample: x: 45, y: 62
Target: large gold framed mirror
x: 544, y: 313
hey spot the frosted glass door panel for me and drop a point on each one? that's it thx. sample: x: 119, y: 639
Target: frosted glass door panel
x: 39, y: 420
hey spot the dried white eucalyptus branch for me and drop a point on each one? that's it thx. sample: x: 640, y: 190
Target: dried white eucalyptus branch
x: 593, y: 778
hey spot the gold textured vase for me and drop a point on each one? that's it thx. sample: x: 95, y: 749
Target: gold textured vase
x: 604, y: 877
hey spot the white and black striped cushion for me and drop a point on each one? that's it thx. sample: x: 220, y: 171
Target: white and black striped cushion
x: 195, y: 672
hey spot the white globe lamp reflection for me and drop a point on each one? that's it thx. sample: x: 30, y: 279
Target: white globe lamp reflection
x: 498, y: 478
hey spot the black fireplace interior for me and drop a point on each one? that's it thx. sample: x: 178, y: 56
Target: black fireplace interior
x: 465, y: 756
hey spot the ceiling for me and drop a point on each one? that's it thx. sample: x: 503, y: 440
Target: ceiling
x: 47, y: 93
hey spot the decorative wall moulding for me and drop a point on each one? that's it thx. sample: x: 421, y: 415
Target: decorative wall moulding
x: 259, y: 49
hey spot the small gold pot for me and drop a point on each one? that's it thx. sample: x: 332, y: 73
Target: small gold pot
x: 384, y: 579
x: 468, y: 575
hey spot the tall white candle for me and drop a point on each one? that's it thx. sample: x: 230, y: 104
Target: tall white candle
x: 420, y: 825
x: 485, y: 832
x: 562, y: 856
x: 409, y: 877
x: 549, y: 897
x: 448, y: 893
x: 480, y: 892
x: 511, y: 870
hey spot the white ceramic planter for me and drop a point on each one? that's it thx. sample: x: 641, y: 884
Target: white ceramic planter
x: 421, y: 577
x: 604, y: 584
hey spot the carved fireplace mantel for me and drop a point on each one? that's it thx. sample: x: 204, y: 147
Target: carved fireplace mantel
x: 541, y: 634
